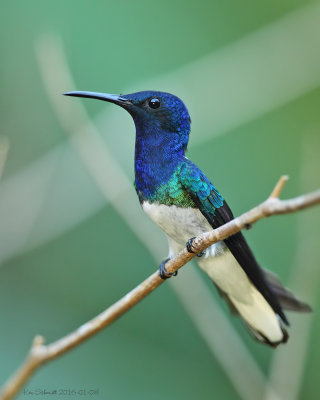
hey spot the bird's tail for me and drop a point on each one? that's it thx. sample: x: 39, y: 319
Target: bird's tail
x: 265, y: 322
x: 266, y: 326
x: 262, y: 322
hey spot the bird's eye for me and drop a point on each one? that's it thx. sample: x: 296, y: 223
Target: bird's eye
x: 154, y: 103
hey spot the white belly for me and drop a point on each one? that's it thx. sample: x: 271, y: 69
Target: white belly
x: 181, y: 224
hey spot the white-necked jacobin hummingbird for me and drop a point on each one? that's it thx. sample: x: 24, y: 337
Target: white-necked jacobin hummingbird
x: 179, y: 198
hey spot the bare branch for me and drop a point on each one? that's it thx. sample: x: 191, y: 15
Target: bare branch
x: 40, y: 353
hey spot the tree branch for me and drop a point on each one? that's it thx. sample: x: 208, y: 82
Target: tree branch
x: 40, y: 353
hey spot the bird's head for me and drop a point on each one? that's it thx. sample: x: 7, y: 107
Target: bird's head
x: 153, y: 112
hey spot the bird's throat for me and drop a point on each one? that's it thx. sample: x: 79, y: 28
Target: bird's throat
x: 157, y: 159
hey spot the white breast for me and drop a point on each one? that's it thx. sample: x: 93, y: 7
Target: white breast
x: 179, y: 223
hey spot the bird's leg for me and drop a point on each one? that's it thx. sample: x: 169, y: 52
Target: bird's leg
x: 189, y: 246
x: 163, y: 273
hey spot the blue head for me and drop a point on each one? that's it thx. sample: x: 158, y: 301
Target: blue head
x: 162, y: 133
x: 158, y: 116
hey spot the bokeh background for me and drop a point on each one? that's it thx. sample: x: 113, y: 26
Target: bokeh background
x: 72, y: 236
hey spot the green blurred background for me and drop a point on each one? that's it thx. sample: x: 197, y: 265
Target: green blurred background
x: 72, y: 236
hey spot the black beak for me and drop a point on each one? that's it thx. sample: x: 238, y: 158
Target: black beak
x: 111, y: 98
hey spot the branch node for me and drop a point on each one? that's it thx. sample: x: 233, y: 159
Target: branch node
x: 278, y: 188
x: 38, y: 341
x: 38, y: 350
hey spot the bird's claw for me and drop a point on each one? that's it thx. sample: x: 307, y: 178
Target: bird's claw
x: 163, y: 273
x: 189, y: 246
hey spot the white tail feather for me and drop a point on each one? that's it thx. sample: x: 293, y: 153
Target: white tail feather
x: 256, y: 312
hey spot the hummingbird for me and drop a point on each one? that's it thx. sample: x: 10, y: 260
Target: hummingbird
x: 184, y: 203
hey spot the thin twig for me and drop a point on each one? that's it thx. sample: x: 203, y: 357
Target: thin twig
x: 279, y: 186
x: 40, y: 353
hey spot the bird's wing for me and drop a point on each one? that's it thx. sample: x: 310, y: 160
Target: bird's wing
x: 217, y: 212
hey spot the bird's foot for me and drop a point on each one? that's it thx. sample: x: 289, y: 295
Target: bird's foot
x: 163, y: 273
x: 189, y: 246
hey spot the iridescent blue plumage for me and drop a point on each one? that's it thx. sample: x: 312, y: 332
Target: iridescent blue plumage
x: 180, y: 188
x: 161, y: 140
x: 163, y: 174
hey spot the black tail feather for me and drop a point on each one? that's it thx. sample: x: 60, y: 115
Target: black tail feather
x: 286, y: 298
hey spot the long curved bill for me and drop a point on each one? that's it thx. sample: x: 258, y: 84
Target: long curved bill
x: 111, y: 98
